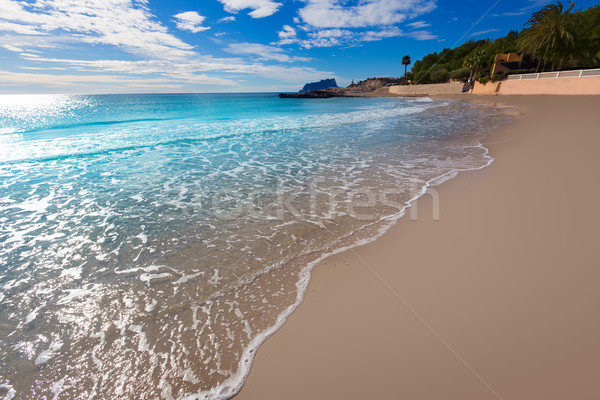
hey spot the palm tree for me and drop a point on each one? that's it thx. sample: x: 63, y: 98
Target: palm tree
x: 406, y: 62
x: 476, y: 63
x: 583, y: 49
x: 550, y: 34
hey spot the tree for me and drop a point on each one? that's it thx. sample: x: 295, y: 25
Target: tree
x: 440, y: 76
x: 550, y: 35
x: 406, y: 62
x: 584, y: 49
x: 581, y: 52
x: 476, y: 63
x: 460, y: 74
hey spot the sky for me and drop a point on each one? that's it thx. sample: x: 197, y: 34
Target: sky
x: 155, y: 46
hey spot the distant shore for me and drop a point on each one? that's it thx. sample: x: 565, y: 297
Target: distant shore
x: 340, y: 92
x: 497, y: 299
x: 578, y: 82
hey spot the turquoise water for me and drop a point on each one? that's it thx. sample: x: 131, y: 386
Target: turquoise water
x: 149, y: 243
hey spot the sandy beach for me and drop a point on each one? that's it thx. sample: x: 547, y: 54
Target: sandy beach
x: 498, y: 299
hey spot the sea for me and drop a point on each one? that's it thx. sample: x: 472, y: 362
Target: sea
x: 150, y: 243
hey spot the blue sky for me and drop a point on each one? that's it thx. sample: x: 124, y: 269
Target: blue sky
x: 129, y: 46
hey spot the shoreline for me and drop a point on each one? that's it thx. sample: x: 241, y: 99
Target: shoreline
x: 293, y: 361
x: 234, y: 383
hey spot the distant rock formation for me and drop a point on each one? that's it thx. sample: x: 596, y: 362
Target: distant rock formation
x: 323, y: 84
x: 372, y: 87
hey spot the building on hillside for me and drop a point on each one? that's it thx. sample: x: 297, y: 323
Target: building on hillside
x: 505, y: 62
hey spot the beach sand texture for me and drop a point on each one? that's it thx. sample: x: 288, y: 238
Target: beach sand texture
x: 499, y: 299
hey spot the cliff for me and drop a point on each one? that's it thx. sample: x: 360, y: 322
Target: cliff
x: 323, y: 84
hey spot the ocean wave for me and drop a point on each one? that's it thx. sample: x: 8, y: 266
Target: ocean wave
x: 49, y: 128
x: 149, y: 132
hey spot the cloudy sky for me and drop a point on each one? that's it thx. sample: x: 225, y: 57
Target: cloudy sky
x: 126, y: 46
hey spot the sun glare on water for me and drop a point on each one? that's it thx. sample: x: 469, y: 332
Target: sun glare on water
x: 25, y: 113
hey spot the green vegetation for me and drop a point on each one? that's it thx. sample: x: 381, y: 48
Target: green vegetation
x: 376, y: 82
x: 476, y: 63
x: 554, y: 38
x: 440, y: 76
x: 550, y: 36
x: 460, y: 74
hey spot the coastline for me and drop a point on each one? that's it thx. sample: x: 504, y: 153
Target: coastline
x: 394, y: 318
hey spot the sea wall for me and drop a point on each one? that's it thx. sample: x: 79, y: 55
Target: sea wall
x: 487, y: 88
x: 560, y: 86
x: 427, y: 90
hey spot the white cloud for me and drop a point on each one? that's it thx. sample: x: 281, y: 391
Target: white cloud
x: 19, y: 28
x: 44, y: 69
x: 230, y: 18
x: 190, y: 21
x: 263, y: 51
x: 418, y: 24
x: 328, y: 38
x: 190, y: 71
x: 160, y: 59
x: 162, y: 67
x: 371, y: 36
x: 62, y: 80
x: 352, y: 37
x: 260, y: 8
x: 127, y: 24
x: 10, y: 47
x: 327, y: 23
x: 28, y: 42
x: 287, y: 35
x: 99, y: 83
x: 368, y: 13
x: 483, y: 32
x: 287, y: 32
x: 422, y: 35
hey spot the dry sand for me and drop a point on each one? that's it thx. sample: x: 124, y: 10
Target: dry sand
x: 499, y: 299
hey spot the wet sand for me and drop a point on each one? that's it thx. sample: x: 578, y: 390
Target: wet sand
x: 498, y: 299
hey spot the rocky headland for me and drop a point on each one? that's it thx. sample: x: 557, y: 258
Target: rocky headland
x: 372, y: 87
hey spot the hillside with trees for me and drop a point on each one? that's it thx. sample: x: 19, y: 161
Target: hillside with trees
x: 556, y: 37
